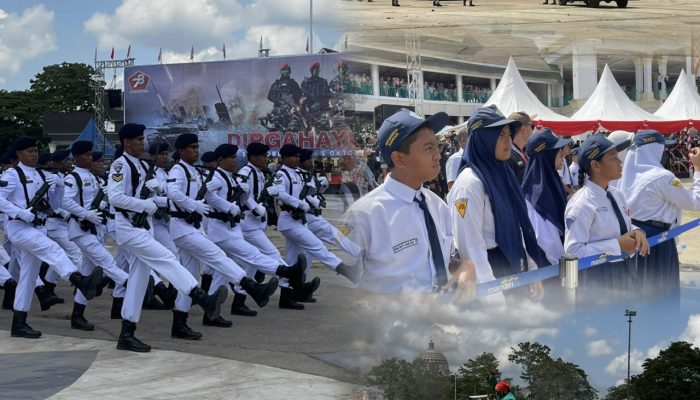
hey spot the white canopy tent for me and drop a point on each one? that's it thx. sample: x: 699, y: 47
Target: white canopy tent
x: 683, y: 102
x: 512, y: 95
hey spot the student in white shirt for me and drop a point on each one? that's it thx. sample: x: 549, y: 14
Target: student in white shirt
x: 453, y: 163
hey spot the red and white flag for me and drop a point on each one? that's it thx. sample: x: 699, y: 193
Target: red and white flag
x: 160, y: 55
x: 112, y: 56
x: 192, y: 54
x: 128, y: 51
x: 223, y: 50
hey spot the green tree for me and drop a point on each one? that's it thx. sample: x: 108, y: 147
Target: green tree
x: 673, y: 374
x: 475, y: 375
x: 399, y: 379
x: 529, y: 356
x: 19, y: 115
x: 617, y: 392
x: 64, y: 88
x: 558, y: 379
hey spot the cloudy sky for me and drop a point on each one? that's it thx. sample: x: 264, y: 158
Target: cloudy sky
x: 38, y: 33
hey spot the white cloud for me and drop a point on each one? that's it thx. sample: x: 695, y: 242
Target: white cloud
x: 618, y: 365
x: 24, y: 37
x: 599, y: 348
x: 590, y: 331
x: 692, y: 331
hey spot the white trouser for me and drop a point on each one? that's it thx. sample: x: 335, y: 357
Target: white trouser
x: 95, y: 254
x: 143, y: 253
x: 161, y: 231
x: 195, y: 248
x: 301, y: 240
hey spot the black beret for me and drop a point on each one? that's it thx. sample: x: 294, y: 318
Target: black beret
x: 257, y: 149
x: 23, y: 143
x: 290, y: 150
x: 44, y: 158
x: 226, y: 150
x: 59, y: 155
x: 81, y: 147
x: 118, y: 151
x: 131, y: 130
x: 305, y: 154
x: 209, y: 156
x: 96, y: 155
x: 157, y: 148
x: 176, y: 155
x: 185, y: 140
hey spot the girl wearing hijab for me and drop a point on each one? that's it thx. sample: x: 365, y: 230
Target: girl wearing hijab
x: 657, y: 199
x: 489, y: 216
x: 597, y: 222
x: 544, y: 192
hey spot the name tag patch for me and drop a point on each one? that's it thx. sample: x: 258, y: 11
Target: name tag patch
x: 601, y: 209
x: 405, y: 245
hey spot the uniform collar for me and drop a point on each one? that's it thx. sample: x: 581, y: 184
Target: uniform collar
x: 135, y: 160
x: 595, y: 188
x: 26, y: 167
x: 186, y: 164
x: 290, y: 169
x: 83, y: 170
x: 228, y: 174
x: 401, y: 191
x: 250, y: 164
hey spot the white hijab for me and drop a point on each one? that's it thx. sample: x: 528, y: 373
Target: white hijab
x: 642, y: 166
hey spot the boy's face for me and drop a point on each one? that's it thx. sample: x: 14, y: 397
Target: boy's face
x: 423, y: 158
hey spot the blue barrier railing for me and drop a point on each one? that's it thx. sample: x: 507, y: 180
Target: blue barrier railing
x: 525, y: 278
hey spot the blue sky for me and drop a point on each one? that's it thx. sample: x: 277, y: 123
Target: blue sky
x: 38, y: 33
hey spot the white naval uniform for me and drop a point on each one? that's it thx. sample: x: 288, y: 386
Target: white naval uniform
x: 299, y: 238
x: 31, y: 244
x: 452, y: 166
x: 57, y: 230
x: 390, y: 229
x: 548, y: 235
x: 193, y: 245
x: 142, y: 251
x: 254, y: 227
x: 94, y: 252
x: 230, y: 239
x: 161, y: 227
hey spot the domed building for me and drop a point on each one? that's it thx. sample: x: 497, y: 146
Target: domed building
x: 435, y: 358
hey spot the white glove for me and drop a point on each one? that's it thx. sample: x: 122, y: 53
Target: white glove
x: 93, y: 217
x: 150, y: 207
x: 273, y: 191
x: 245, y: 186
x: 54, y: 180
x: 323, y: 181
x: 304, y: 206
x: 260, y: 211
x: 103, y: 205
x: 202, y: 208
x: 105, y: 190
x: 26, y: 216
x: 64, y: 214
x: 311, y: 184
x: 154, y: 185
x: 214, y: 184
x: 234, y: 209
x: 313, y: 201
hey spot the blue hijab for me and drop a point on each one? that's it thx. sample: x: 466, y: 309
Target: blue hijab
x: 543, y: 188
x: 507, y: 201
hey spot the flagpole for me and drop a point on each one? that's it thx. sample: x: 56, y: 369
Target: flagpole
x: 311, y: 26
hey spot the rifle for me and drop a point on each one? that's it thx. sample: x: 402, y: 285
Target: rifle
x: 195, y: 218
x: 141, y: 219
x: 39, y: 204
x: 298, y: 213
x: 86, y: 225
x: 266, y: 200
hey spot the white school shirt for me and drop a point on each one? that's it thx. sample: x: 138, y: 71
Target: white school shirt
x: 452, y: 166
x: 548, y: 235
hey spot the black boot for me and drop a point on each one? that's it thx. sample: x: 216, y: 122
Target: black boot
x: 294, y: 273
x: 180, y: 330
x: 117, y: 303
x: 8, y: 299
x: 149, y: 299
x: 259, y: 277
x: 51, y: 287
x: 352, y: 273
x: 20, y: 327
x: 287, y: 300
x: 219, y: 322
x: 259, y: 292
x: 104, y: 282
x: 127, y: 340
x: 206, y: 282
x: 167, y: 294
x: 87, y: 284
x: 238, y: 306
x: 77, y: 319
x: 210, y: 304
x: 46, y: 298
x: 305, y: 293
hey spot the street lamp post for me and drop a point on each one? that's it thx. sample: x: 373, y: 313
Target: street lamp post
x: 629, y: 314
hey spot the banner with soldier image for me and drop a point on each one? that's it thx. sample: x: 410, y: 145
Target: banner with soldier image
x: 274, y: 100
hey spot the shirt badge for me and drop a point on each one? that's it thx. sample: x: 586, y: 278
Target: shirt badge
x: 461, y: 206
x: 676, y: 182
x: 569, y: 222
x: 345, y: 229
x: 117, y: 177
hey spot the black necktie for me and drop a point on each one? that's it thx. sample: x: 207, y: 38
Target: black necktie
x: 618, y: 214
x: 435, y: 249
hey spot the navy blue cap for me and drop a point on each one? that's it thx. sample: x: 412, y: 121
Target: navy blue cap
x: 96, y: 155
x: 157, y: 148
x: 185, y: 140
x: 209, y: 156
x: 651, y: 136
x: 23, y: 143
x: 290, y: 150
x: 257, y: 149
x: 490, y: 117
x: 44, y: 158
x: 305, y: 155
x: 226, y: 150
x: 595, y: 147
x: 59, y: 155
x: 80, y: 147
x: 401, y: 125
x: 544, y: 140
x: 131, y: 130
